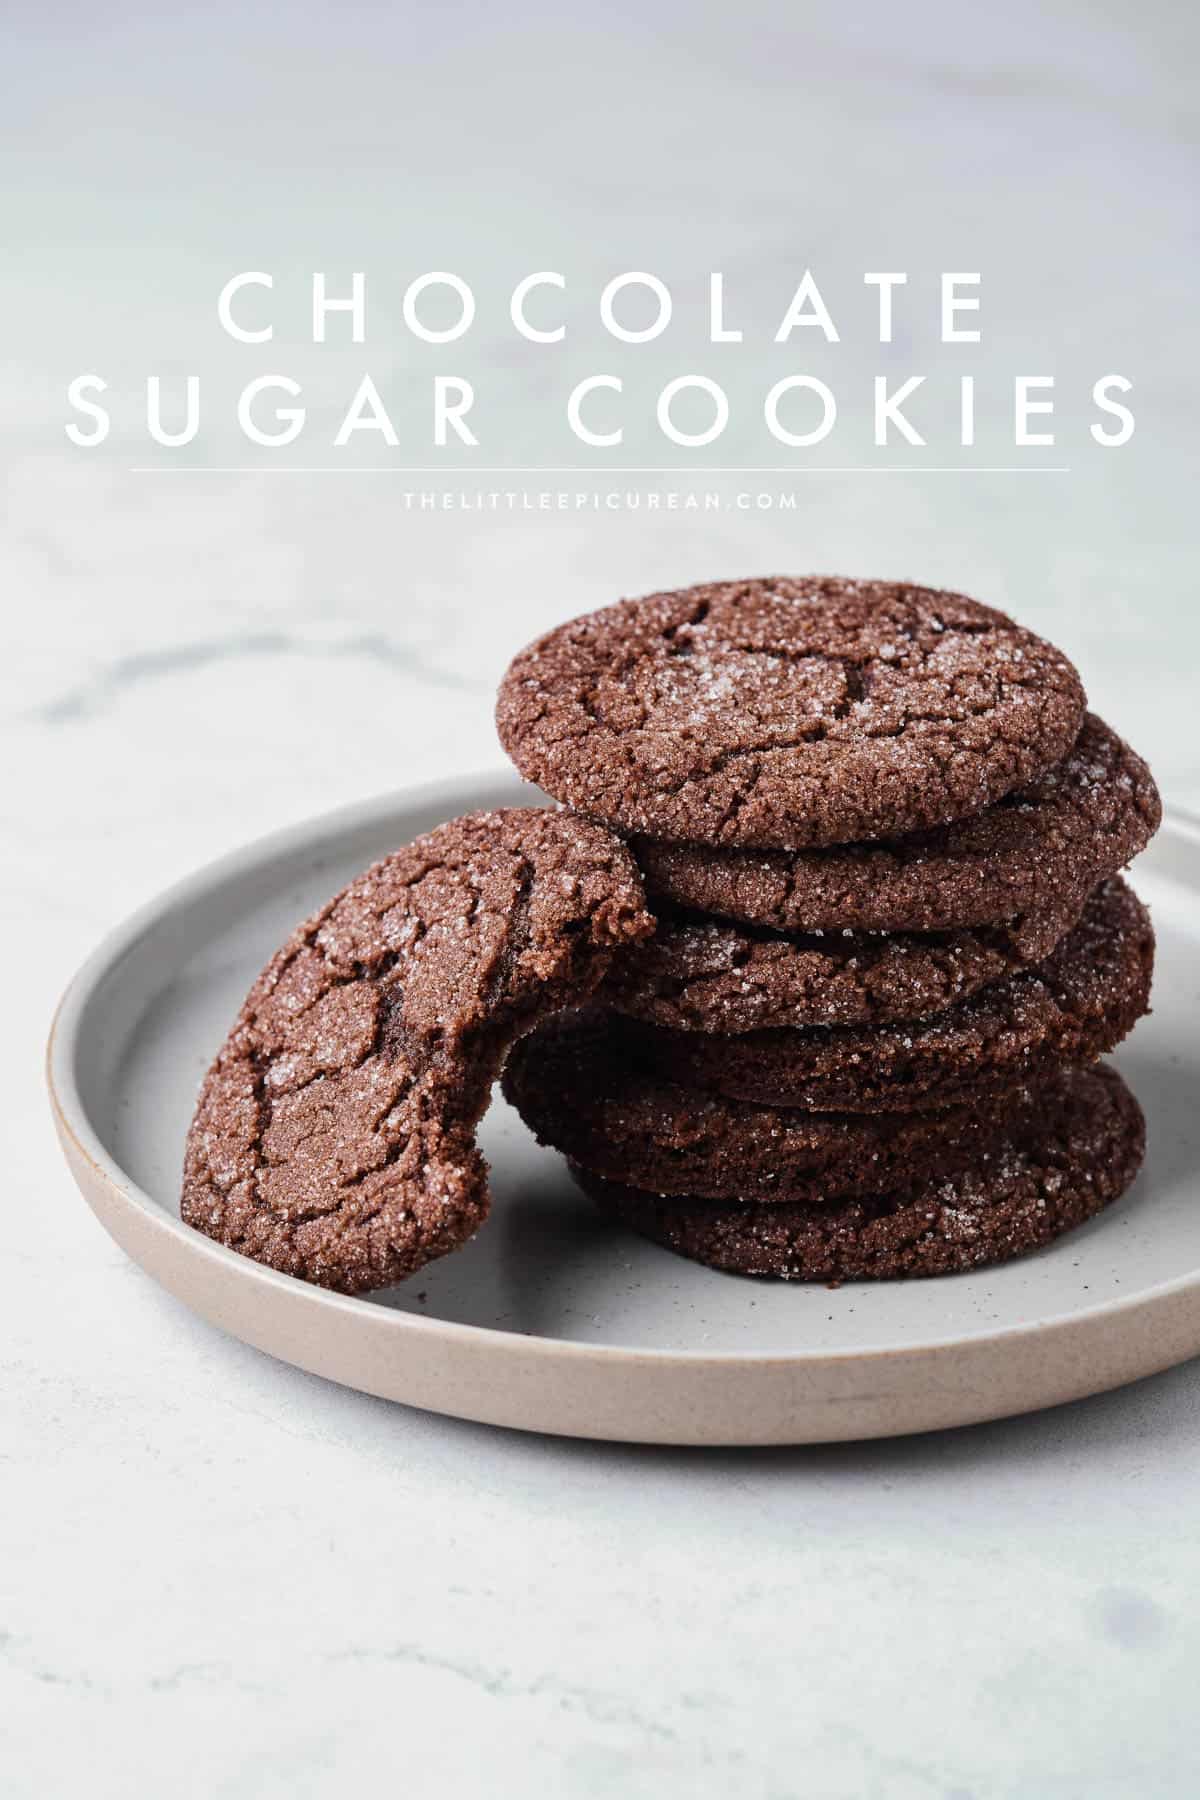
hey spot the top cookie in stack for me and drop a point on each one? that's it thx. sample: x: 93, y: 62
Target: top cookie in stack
x: 880, y: 831
x: 788, y: 714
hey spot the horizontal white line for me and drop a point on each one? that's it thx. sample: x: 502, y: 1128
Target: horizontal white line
x: 586, y: 469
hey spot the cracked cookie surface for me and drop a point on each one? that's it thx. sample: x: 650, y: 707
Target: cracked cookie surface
x: 1026, y: 860
x: 334, y: 1136
x: 699, y: 974
x: 1058, y: 1166
x: 1069, y: 1009
x: 787, y: 712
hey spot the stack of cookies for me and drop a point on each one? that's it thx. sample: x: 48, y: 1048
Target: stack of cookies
x: 882, y: 838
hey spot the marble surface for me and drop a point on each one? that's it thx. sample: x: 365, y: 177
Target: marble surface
x: 223, y: 1577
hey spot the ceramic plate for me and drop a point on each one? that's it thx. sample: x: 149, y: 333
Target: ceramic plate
x: 552, y: 1320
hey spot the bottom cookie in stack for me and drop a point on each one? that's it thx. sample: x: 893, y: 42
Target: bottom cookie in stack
x: 802, y: 1196
x: 1055, y: 1168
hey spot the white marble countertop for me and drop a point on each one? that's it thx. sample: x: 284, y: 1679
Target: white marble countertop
x: 224, y: 1577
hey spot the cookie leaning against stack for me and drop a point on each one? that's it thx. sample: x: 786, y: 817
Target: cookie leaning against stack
x: 334, y: 1134
x: 882, y: 837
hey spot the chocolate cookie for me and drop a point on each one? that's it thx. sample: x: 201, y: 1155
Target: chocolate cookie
x: 1062, y: 1164
x: 711, y: 975
x: 1042, y: 847
x: 577, y: 1090
x: 788, y: 712
x: 1076, y: 1005
x: 334, y: 1134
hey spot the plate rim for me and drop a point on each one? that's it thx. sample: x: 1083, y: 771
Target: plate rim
x: 77, y: 1131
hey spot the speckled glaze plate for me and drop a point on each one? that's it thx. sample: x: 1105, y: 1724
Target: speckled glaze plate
x: 552, y: 1320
